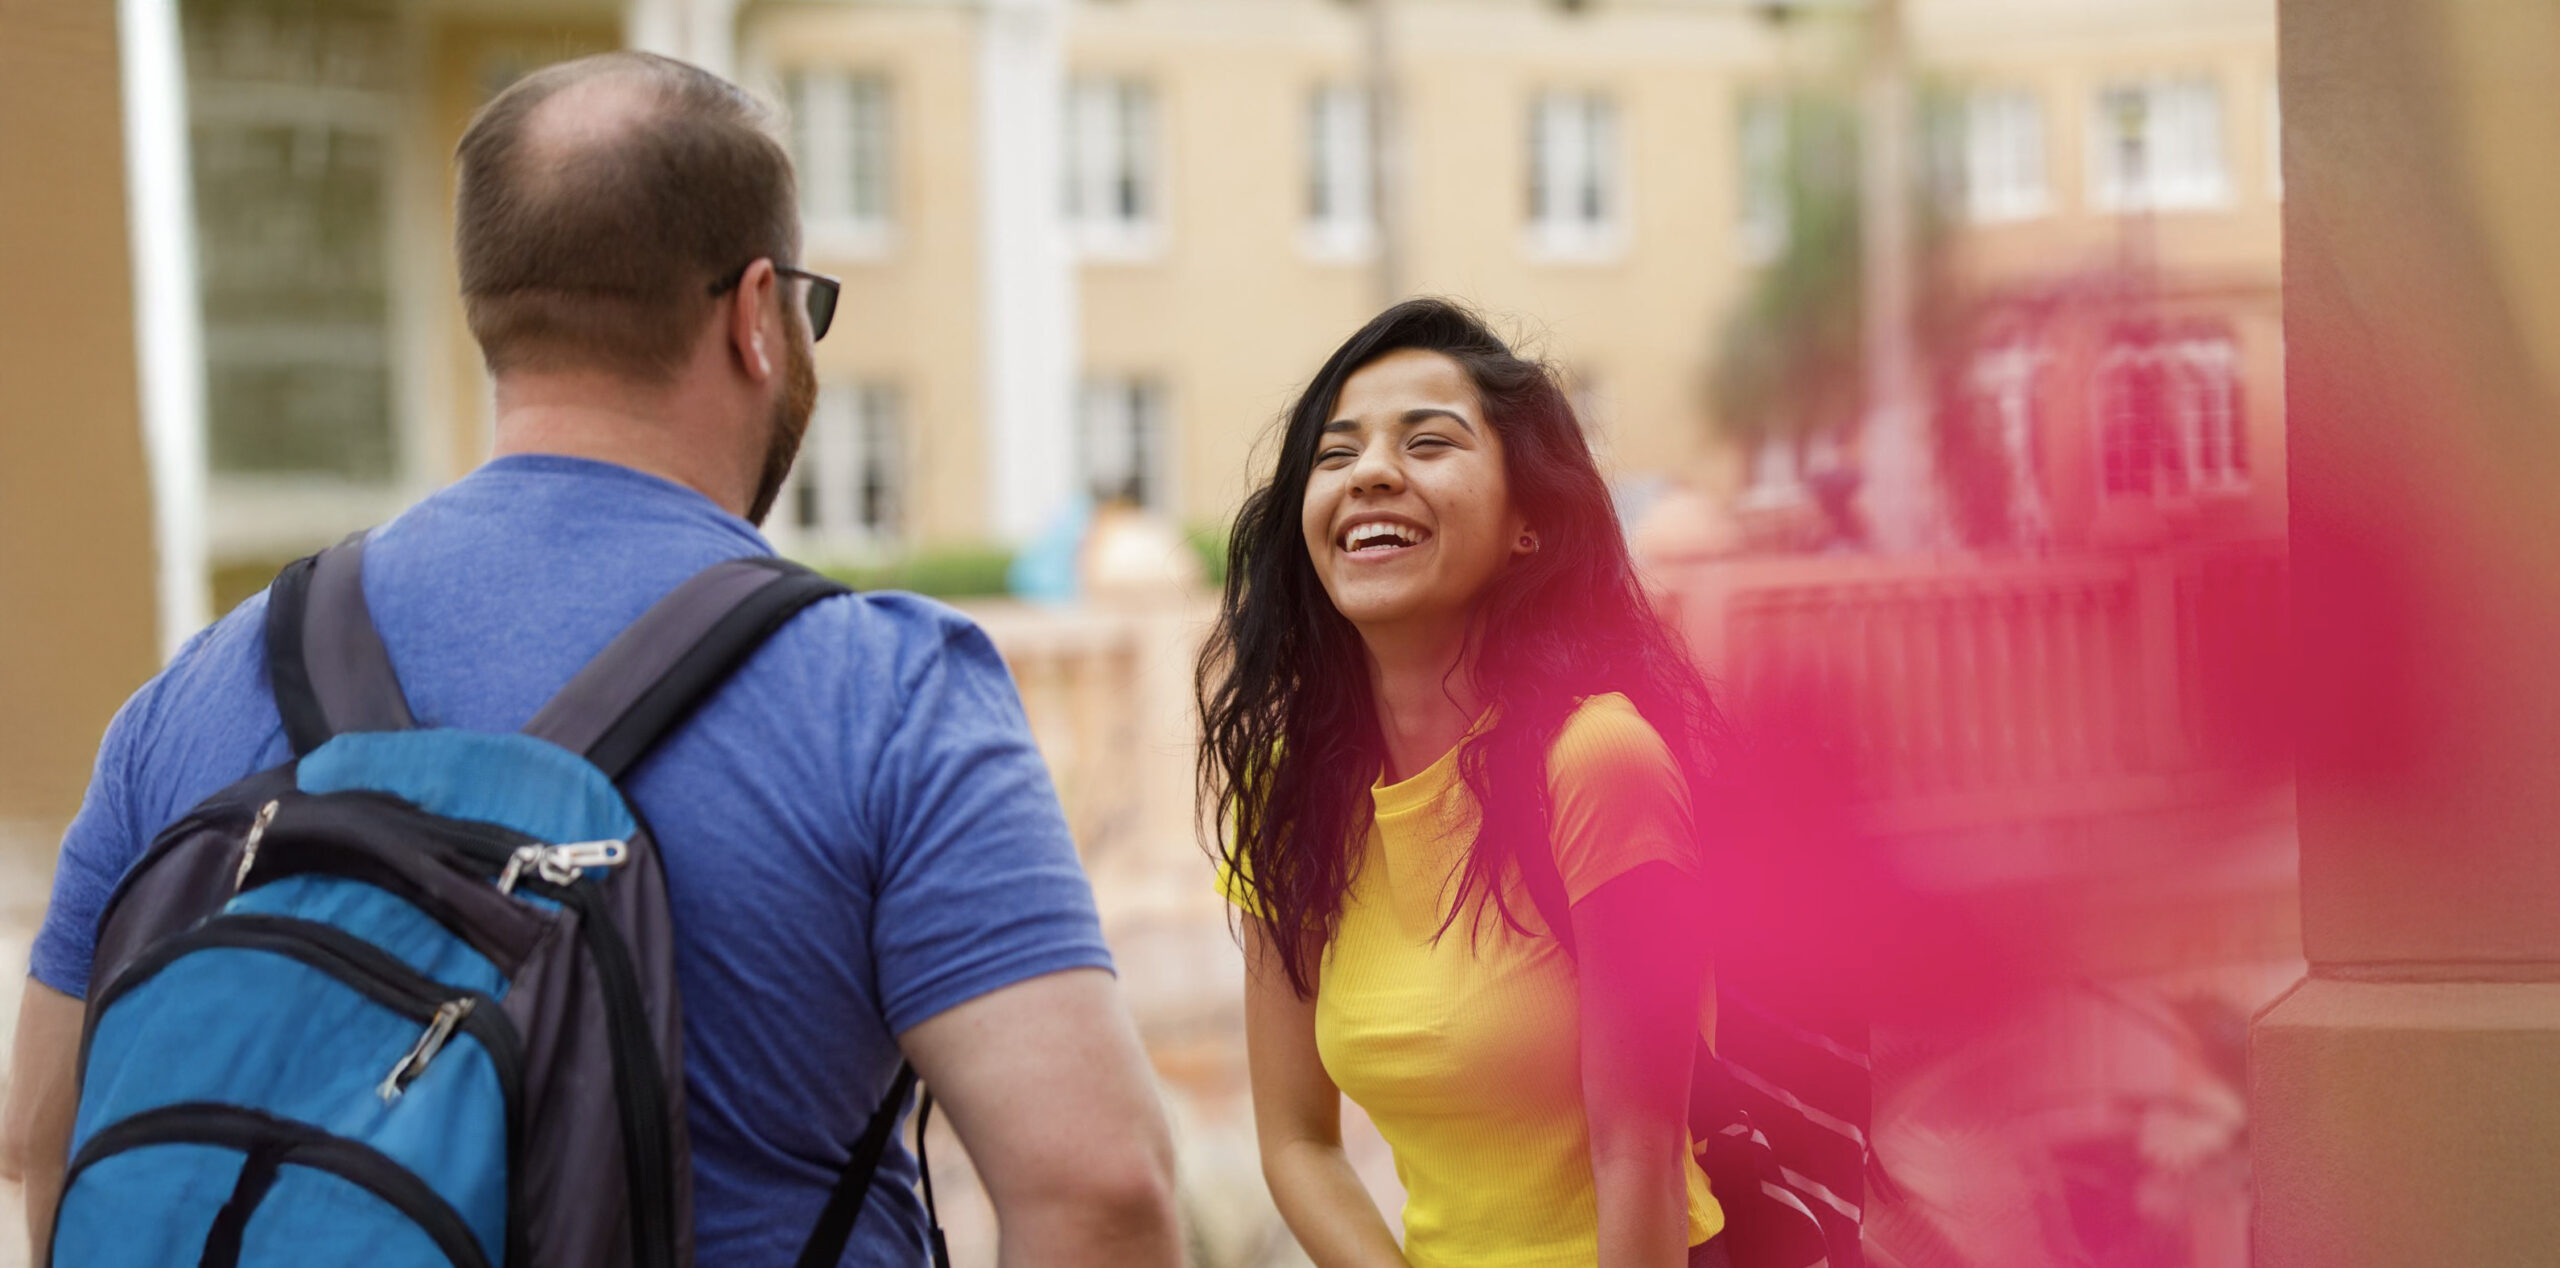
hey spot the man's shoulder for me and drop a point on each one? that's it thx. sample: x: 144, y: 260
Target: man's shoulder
x: 886, y: 631
x: 226, y: 658
x: 206, y: 719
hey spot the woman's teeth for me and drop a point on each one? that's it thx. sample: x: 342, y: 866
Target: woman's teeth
x: 1379, y: 536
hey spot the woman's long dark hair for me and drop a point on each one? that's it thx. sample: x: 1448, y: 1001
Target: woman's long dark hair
x: 1291, y: 737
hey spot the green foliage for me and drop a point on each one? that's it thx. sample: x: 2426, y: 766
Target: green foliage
x: 944, y: 572
x: 1210, y: 540
x: 1787, y: 361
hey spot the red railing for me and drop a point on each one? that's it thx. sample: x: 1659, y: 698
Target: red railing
x: 1959, y: 691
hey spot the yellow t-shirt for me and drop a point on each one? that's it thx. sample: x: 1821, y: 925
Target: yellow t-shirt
x: 1466, y: 1053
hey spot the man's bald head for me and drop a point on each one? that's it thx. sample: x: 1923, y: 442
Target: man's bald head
x: 600, y: 201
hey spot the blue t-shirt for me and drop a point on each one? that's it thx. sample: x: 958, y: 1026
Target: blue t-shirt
x: 858, y: 833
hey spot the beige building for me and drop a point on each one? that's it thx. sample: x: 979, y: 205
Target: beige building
x: 1093, y: 248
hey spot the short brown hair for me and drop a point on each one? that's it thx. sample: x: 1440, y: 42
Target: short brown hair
x: 597, y: 247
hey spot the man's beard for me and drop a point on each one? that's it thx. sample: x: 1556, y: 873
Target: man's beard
x: 788, y: 423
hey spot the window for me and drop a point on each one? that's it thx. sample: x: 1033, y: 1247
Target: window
x: 2171, y: 418
x: 2157, y: 146
x: 1341, y: 208
x: 1762, y: 137
x: 1112, y: 168
x: 840, y: 142
x: 2004, y: 176
x: 1574, y: 174
x: 2001, y: 396
x: 1122, y: 426
x: 293, y: 146
x: 845, y: 491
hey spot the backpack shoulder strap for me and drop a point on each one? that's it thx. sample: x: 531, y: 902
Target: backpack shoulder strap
x: 654, y: 674
x: 1545, y: 883
x: 853, y: 1182
x: 325, y: 661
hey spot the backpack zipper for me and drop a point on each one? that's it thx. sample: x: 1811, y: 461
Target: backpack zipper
x: 640, y: 1084
x: 380, y: 976
x: 249, y: 844
x: 439, y: 1028
x: 561, y: 864
x: 445, y: 884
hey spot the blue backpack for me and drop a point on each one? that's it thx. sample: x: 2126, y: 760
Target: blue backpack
x: 409, y: 999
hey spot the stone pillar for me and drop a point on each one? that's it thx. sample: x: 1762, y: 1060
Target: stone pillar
x: 79, y: 590
x: 1027, y: 270
x: 2406, y: 1096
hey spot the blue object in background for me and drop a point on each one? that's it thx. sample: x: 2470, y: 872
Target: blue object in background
x: 1046, y: 571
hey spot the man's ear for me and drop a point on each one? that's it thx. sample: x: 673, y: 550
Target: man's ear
x: 745, y: 320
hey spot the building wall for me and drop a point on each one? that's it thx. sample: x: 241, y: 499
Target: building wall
x: 1230, y: 314
x: 909, y: 315
x: 79, y: 627
x: 2082, y: 267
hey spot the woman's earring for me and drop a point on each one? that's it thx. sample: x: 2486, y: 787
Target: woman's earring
x: 1529, y: 542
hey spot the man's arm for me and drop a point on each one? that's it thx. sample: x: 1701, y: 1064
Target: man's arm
x: 1049, y: 1091
x: 44, y: 1097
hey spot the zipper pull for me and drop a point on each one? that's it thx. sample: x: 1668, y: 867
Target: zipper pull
x: 561, y: 864
x: 524, y: 857
x: 439, y: 1028
x: 249, y: 844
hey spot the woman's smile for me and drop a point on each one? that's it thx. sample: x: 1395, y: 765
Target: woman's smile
x: 1407, y: 514
x: 1379, y: 537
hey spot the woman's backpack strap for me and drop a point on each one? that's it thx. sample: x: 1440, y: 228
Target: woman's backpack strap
x: 654, y: 674
x: 325, y: 661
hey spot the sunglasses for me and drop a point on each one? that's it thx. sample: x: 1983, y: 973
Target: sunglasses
x: 822, y: 294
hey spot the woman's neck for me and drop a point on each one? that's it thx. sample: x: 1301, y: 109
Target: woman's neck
x: 1425, y: 695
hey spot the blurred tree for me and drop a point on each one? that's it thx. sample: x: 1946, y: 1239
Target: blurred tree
x: 1786, y: 365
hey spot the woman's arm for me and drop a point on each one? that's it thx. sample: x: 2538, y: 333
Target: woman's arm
x: 1297, y: 1115
x: 1641, y: 957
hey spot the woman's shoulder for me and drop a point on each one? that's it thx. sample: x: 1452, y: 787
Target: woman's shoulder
x: 1607, y: 737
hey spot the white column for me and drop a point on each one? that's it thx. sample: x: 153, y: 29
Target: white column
x: 169, y: 334
x: 711, y: 36
x: 1028, y: 322
x: 654, y: 26
x: 703, y: 32
x: 1900, y: 490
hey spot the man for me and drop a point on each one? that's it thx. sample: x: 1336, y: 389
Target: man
x: 864, y: 855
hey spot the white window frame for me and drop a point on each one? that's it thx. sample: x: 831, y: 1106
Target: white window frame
x: 2207, y: 411
x: 2203, y: 429
x: 857, y: 435
x: 1341, y: 205
x: 1113, y: 164
x: 1577, y: 186
x: 1125, y: 432
x: 2176, y: 127
x: 1762, y: 218
x: 2003, y: 379
x: 259, y: 515
x: 844, y: 144
x: 2005, y: 171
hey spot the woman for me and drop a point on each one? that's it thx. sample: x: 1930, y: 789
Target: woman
x: 1433, y: 657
